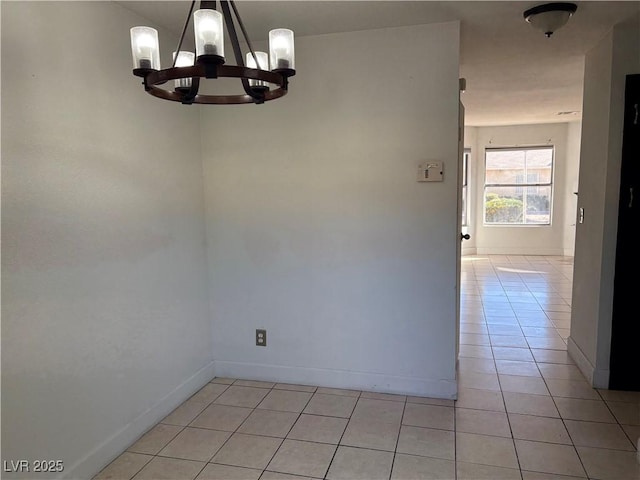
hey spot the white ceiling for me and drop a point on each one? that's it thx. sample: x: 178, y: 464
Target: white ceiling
x: 514, y: 74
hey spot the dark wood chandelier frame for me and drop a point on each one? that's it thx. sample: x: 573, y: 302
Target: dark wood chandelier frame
x: 212, y: 66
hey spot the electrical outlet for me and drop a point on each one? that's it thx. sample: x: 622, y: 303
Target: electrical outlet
x: 261, y: 338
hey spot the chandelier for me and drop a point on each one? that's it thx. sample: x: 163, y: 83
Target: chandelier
x: 260, y: 83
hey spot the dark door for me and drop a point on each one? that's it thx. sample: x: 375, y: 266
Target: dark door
x: 625, y: 334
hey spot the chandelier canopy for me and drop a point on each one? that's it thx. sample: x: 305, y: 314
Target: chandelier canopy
x: 260, y: 83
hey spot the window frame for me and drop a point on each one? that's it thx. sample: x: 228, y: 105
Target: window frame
x: 466, y: 156
x: 550, y: 184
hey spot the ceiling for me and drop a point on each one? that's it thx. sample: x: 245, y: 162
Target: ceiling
x: 515, y: 75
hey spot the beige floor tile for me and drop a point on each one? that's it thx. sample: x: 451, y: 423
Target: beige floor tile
x: 338, y: 391
x: 155, y: 439
x: 221, y: 417
x: 547, y: 343
x: 523, y: 369
x: 482, y: 422
x: 429, y: 416
x: 481, y: 381
x: 549, y: 458
x: 476, y: 365
x: 316, y: 428
x: 185, y: 413
x: 474, y: 339
x: 427, y: 442
x: 480, y: 399
x: 527, y: 404
x: 303, y: 458
x: 485, y: 450
x: 383, y: 411
x: 546, y: 476
x: 286, y: 401
x: 124, y: 467
x: 170, y: 469
x: 473, y: 328
x: 384, y: 396
x: 476, y: 351
x: 512, y: 330
x: 371, y: 434
x: 443, y: 402
x: 539, y: 332
x: 633, y: 433
x: 564, y: 372
x: 223, y: 380
x: 551, y: 356
x: 269, y: 423
x: 241, y: 396
x: 209, y: 393
x: 409, y: 467
x: 360, y: 464
x: 254, y: 383
x: 213, y: 471
x: 331, y: 405
x: 195, y: 444
x: 539, y: 429
x: 609, y: 464
x: 571, y: 389
x: 295, y: 388
x: 620, y: 396
x: 626, y: 413
x: 598, y: 435
x: 518, y: 341
x: 472, y: 471
x: 247, y: 451
x: 587, y: 410
x: 512, y: 353
x: 520, y: 384
x: 281, y: 476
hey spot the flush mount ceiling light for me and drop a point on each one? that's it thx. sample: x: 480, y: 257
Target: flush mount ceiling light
x: 550, y: 16
x: 259, y: 83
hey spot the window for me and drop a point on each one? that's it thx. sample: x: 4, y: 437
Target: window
x: 465, y: 194
x: 517, y: 187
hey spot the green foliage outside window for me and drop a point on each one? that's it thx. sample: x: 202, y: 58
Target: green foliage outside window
x: 502, y: 209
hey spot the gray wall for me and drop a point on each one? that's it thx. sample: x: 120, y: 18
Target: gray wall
x: 617, y: 55
x: 105, y: 322
x: 317, y: 228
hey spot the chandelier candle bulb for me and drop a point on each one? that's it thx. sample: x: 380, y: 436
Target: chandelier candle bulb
x: 281, y: 49
x: 207, y: 25
x: 145, y: 48
x: 263, y: 64
x: 185, y: 59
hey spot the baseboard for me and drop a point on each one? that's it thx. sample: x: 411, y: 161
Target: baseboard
x: 374, y: 382
x: 600, y: 378
x: 520, y: 251
x: 569, y: 252
x: 581, y: 360
x: 104, y: 453
x: 469, y: 251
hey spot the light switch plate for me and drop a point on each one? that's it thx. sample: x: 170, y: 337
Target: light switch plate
x: 431, y: 171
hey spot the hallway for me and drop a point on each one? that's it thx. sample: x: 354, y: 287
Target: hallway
x: 524, y: 410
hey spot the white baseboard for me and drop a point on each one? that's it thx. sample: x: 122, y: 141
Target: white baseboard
x: 581, y: 360
x: 339, y: 379
x: 519, y: 251
x: 569, y: 252
x: 113, y: 446
x: 469, y: 251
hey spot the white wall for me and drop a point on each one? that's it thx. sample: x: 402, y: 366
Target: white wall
x: 522, y: 239
x: 105, y: 322
x: 617, y: 55
x: 317, y: 228
x: 574, y: 133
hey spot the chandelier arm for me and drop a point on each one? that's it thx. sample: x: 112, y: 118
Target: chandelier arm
x: 244, y: 32
x: 184, y: 31
x: 256, y: 95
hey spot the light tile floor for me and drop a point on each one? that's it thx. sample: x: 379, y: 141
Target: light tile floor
x: 524, y: 410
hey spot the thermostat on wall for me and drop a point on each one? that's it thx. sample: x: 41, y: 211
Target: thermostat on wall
x: 431, y: 172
